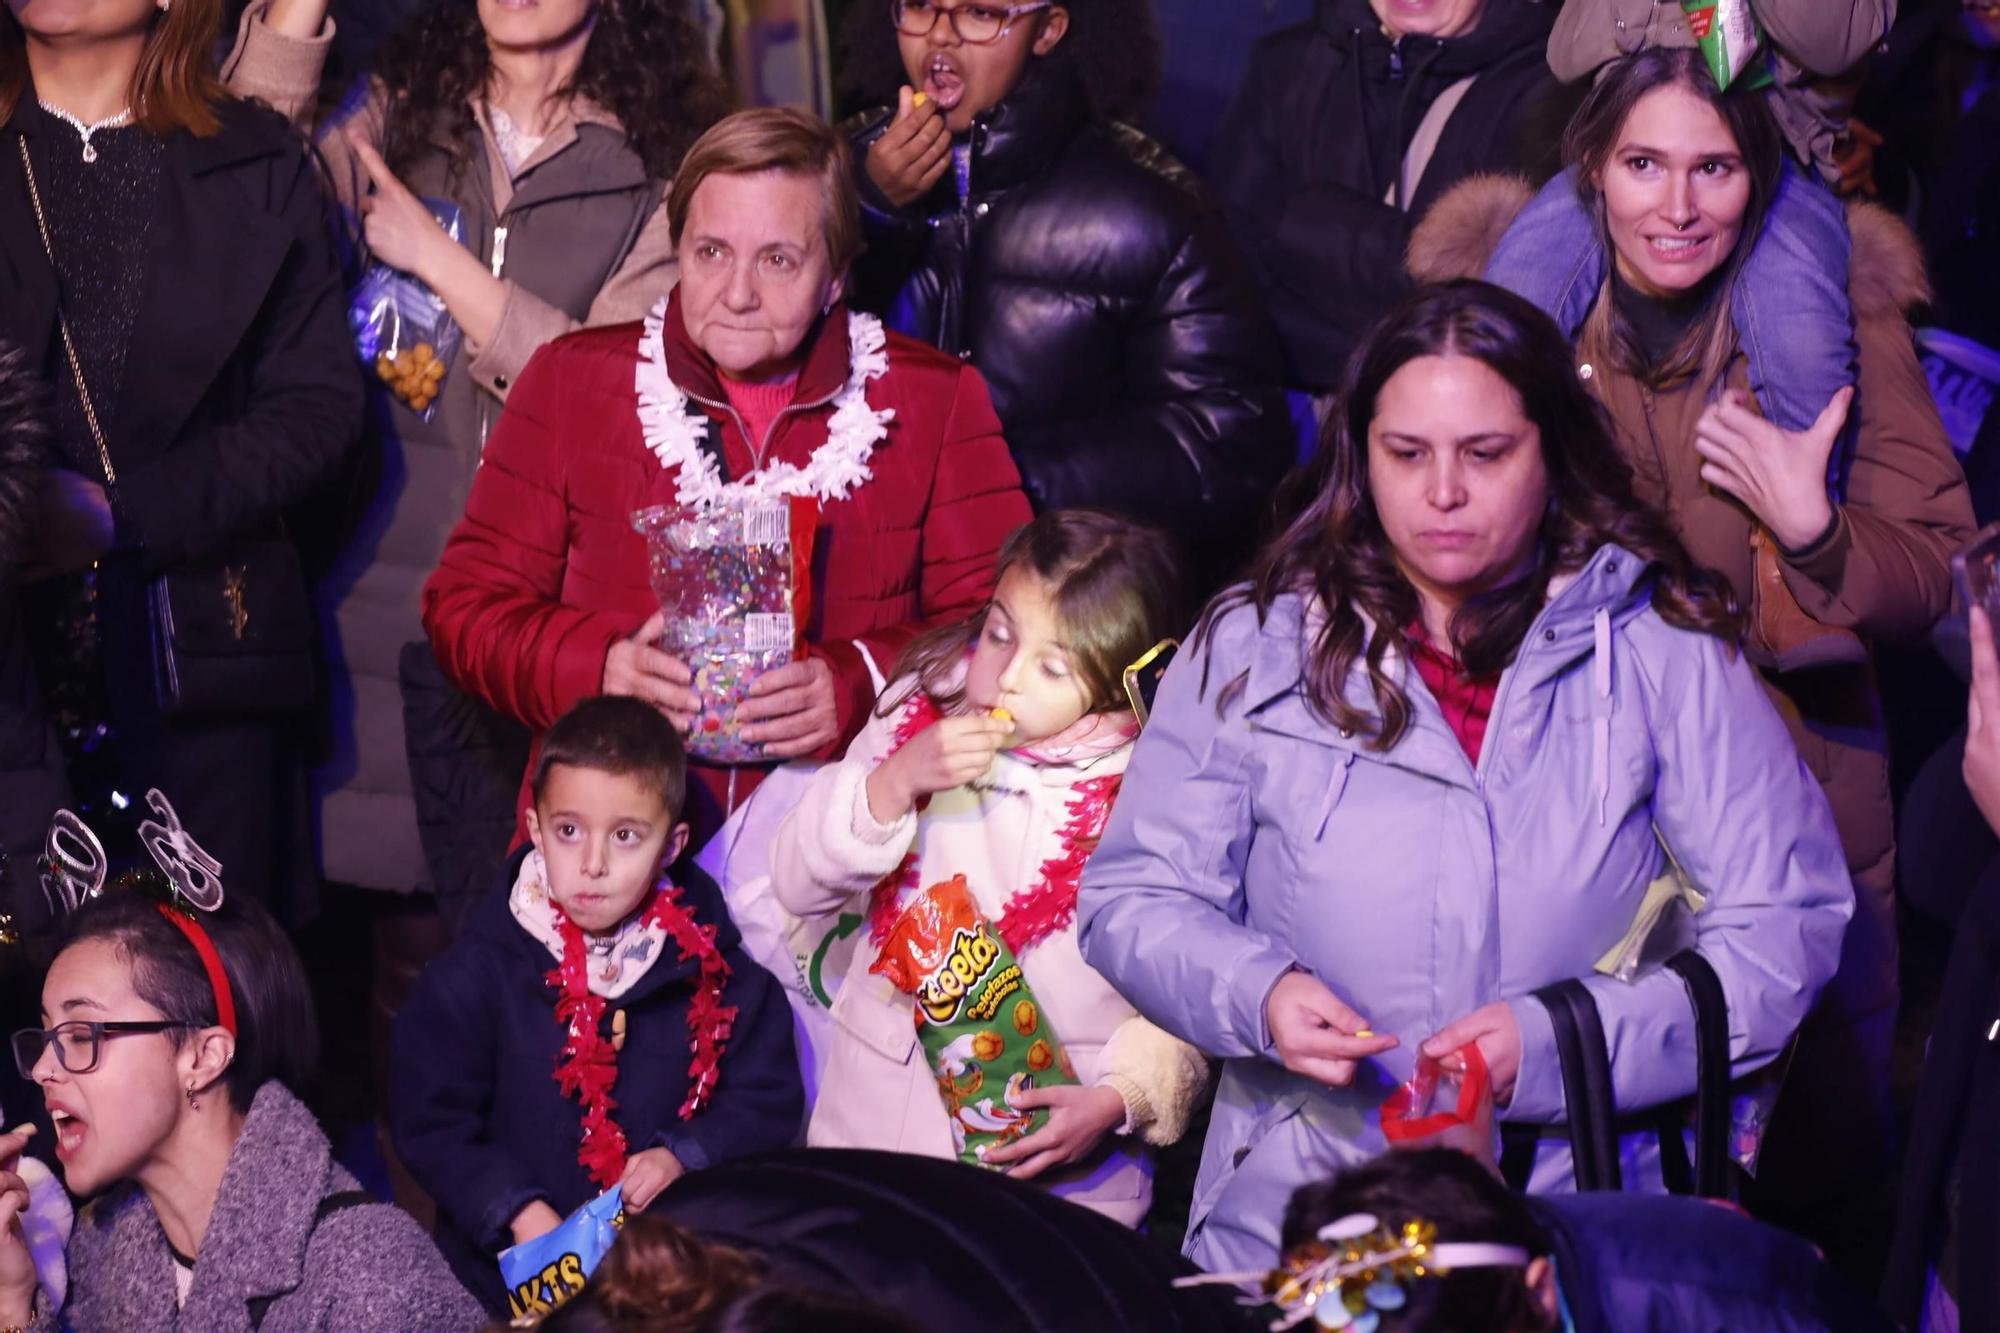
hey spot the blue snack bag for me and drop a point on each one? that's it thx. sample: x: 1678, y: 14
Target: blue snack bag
x: 402, y: 328
x: 543, y: 1273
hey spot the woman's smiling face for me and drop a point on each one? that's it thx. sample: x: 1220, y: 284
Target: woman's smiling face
x: 1675, y: 192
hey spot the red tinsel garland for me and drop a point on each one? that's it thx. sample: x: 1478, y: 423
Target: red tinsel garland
x: 1034, y: 913
x: 587, y: 1066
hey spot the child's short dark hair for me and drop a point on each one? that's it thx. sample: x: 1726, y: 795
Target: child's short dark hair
x: 615, y: 733
x: 1466, y: 1203
x: 277, y: 1034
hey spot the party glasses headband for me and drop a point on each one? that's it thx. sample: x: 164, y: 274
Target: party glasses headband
x: 74, y: 871
x: 976, y: 25
x: 1357, y: 1271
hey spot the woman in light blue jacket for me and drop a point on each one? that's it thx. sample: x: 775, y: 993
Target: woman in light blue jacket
x: 1411, y: 772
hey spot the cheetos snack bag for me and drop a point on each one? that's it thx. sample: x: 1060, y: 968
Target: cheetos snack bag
x: 545, y: 1272
x: 982, y: 1030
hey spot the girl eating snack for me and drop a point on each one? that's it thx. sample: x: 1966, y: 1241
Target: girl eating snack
x: 996, y: 756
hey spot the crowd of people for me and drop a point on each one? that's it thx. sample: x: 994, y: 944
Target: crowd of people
x: 1454, y: 593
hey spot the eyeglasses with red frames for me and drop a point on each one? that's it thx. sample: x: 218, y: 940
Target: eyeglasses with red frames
x: 976, y: 25
x: 79, y: 1043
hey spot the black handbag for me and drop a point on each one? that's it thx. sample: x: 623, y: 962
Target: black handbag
x: 1594, y: 1124
x: 231, y: 631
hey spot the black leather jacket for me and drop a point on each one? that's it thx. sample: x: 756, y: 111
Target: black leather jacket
x: 1092, y: 282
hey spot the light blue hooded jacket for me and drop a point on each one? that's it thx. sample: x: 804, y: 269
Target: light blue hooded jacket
x: 1253, y: 837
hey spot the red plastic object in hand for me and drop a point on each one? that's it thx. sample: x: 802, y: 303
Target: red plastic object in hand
x: 1408, y: 1114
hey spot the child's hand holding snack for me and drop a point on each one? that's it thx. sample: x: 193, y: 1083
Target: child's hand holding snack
x: 912, y: 154
x: 949, y: 753
x: 537, y: 1219
x: 1079, y: 1118
x: 647, y: 1174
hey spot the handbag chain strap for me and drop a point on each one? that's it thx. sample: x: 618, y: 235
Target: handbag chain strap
x: 62, y: 322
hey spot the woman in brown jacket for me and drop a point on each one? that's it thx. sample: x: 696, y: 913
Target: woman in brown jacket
x: 1833, y: 536
x: 553, y: 129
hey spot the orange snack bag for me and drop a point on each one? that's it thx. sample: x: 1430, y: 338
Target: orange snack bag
x: 981, y: 1027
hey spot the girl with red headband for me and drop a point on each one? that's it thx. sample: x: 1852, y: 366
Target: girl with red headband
x: 173, y: 1043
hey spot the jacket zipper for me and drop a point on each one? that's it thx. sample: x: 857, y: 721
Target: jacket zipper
x: 499, y: 262
x: 758, y: 448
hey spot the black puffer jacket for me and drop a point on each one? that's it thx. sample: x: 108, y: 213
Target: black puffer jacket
x: 1095, y: 287
x: 1315, y: 142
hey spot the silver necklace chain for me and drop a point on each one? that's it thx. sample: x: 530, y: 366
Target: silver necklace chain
x: 76, y: 123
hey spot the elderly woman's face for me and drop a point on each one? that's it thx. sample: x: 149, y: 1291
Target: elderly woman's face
x: 1675, y: 192
x: 755, y: 272
x: 1455, y: 469
x: 110, y: 1121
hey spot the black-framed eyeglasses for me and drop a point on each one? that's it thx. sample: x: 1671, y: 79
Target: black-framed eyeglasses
x: 79, y: 1043
x: 975, y: 24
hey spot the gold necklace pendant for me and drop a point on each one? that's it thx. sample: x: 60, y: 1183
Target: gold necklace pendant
x: 232, y: 593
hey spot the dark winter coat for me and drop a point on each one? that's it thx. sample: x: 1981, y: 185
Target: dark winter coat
x: 31, y: 771
x: 947, y: 1245
x: 1092, y: 282
x: 1315, y: 142
x: 241, y: 396
x: 1632, y: 1263
x: 291, y: 1247
x: 1948, y: 1213
x: 1941, y: 162
x: 475, y: 1110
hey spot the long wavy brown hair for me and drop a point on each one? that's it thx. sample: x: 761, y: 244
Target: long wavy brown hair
x: 646, y: 62
x: 175, y: 86
x: 1335, y: 551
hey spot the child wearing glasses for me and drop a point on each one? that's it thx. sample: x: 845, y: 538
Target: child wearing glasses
x: 597, y: 1024
x: 1015, y: 221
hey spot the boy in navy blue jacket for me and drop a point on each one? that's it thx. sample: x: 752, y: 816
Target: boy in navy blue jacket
x: 597, y: 1025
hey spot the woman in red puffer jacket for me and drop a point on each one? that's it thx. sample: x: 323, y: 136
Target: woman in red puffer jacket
x: 754, y: 374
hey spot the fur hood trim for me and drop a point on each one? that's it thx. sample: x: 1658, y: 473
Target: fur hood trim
x: 1458, y: 236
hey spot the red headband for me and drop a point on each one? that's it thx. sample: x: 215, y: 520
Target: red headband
x: 211, y: 962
